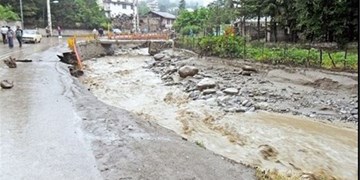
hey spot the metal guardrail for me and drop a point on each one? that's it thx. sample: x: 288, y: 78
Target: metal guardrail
x: 148, y: 36
x: 72, y: 45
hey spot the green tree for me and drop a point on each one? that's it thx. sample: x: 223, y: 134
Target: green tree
x: 143, y: 9
x: 182, y: 5
x: 7, y: 14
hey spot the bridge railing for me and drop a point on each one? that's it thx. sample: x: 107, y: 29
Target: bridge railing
x: 147, y: 36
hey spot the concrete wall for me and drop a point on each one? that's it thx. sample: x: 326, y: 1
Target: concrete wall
x: 92, y: 49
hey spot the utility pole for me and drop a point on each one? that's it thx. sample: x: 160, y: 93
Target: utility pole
x: 22, y: 15
x: 136, y: 16
x: 49, y: 16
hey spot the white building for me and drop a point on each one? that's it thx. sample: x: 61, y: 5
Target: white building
x: 114, y: 8
x: 153, y: 5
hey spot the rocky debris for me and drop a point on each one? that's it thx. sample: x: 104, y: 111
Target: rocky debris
x: 186, y: 71
x: 354, y: 112
x: 206, y: 83
x: 170, y: 70
x: 238, y: 94
x: 231, y: 91
x: 156, y: 47
x: 249, y: 68
x: 75, y: 72
x: 241, y: 109
x: 158, y: 57
x: 208, y: 91
x: 166, y: 58
x: 11, y: 62
x: 7, y: 84
x: 246, y: 73
x: 268, y: 152
x: 68, y: 58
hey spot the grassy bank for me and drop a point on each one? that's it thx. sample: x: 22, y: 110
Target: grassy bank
x: 290, y: 54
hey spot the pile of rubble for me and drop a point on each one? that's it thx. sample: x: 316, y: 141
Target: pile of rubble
x: 245, y: 89
x: 11, y: 63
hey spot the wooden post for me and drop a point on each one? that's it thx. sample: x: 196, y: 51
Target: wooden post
x: 320, y: 58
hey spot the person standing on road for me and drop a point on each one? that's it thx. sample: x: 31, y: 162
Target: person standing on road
x: 10, y: 37
x: 47, y: 29
x: 19, y: 34
x: 4, y: 30
x: 59, y: 31
x: 95, y: 33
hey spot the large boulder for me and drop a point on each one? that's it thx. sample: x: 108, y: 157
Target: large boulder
x: 206, y: 83
x: 231, y: 91
x: 158, y: 46
x: 158, y: 57
x: 249, y: 68
x: 6, y: 84
x: 11, y: 62
x: 186, y: 71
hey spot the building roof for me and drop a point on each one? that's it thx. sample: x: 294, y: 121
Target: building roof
x: 164, y: 14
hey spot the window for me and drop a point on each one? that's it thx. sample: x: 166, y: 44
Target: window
x: 168, y: 21
x: 124, y: 6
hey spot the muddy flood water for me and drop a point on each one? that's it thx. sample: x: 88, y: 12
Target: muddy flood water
x: 287, y: 144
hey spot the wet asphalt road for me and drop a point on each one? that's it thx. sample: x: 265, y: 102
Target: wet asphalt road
x: 40, y: 134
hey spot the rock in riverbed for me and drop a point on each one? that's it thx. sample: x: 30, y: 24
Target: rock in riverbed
x: 186, y: 71
x: 249, y: 68
x: 231, y: 91
x: 206, y: 83
x: 7, y: 84
x: 158, y: 57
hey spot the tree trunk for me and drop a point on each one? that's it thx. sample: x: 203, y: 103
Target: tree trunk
x: 244, y: 27
x: 266, y: 32
x: 258, y: 27
x: 320, y: 58
x: 331, y: 36
x: 345, y: 56
x: 275, y: 31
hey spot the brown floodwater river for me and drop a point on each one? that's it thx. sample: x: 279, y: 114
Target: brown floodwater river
x: 287, y: 144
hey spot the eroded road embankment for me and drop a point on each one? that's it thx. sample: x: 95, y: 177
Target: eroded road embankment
x: 40, y: 132
x: 224, y: 121
x: 53, y: 128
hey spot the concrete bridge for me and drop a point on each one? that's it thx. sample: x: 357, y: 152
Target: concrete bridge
x: 102, y: 47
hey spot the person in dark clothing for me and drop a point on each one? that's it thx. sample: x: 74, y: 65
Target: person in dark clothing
x: 10, y: 37
x: 19, y: 34
x: 101, y: 32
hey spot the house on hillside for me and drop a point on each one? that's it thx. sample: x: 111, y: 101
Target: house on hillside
x: 116, y: 8
x: 153, y: 5
x: 156, y: 21
x: 249, y: 27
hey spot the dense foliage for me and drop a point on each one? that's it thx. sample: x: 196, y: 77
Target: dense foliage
x: 143, y: 8
x: 230, y: 46
x: 66, y: 13
x: 7, y: 14
x: 316, y: 20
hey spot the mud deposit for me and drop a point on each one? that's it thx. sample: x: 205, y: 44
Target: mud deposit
x: 295, y: 122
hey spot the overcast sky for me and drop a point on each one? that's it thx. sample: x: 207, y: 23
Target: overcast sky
x: 206, y: 2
